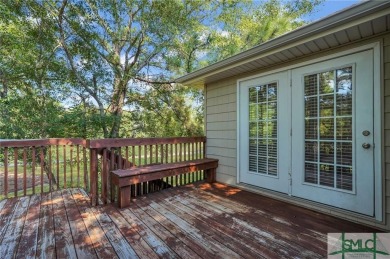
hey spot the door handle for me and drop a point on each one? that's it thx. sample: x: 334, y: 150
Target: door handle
x: 366, y: 145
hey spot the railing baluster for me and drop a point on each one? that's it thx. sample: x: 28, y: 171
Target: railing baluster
x: 33, y: 170
x: 133, y: 155
x: 166, y: 153
x: 133, y: 189
x: 42, y: 160
x: 6, y: 172
x: 78, y: 164
x: 139, y: 156
x: 58, y: 166
x: 104, y: 174
x: 156, y: 147
x: 64, y: 159
x: 24, y: 171
x: 179, y: 178
x: 50, y: 172
x: 86, y: 187
x: 162, y: 153
x: 145, y: 154
x: 71, y: 166
x: 127, y: 154
x: 192, y: 157
x: 180, y: 152
x: 140, y: 164
x: 176, y: 159
x: 197, y: 157
x: 184, y: 159
x: 16, y: 172
x: 120, y: 160
x: 151, y: 154
x: 145, y: 184
x: 166, y: 160
x: 169, y: 146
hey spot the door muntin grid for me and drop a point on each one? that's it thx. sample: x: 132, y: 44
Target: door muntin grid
x: 328, y: 114
x: 263, y: 129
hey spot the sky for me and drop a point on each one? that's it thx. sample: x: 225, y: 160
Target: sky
x: 329, y: 7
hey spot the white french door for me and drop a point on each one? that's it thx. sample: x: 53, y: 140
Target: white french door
x: 315, y: 139
x: 333, y: 132
x: 264, y: 123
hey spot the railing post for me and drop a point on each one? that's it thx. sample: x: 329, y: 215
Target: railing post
x: 94, y: 176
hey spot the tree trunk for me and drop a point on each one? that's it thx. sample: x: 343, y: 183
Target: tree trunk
x: 116, y: 107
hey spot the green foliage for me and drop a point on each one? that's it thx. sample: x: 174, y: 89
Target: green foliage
x: 104, y: 68
x: 165, y: 110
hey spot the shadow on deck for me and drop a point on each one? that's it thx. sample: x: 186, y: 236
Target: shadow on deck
x: 193, y: 221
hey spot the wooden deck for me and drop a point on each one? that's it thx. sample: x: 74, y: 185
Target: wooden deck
x: 202, y: 221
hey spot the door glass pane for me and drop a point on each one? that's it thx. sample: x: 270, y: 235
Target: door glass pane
x: 328, y: 129
x: 263, y: 129
x: 311, y: 173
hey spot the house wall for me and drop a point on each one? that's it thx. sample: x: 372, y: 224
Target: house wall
x: 221, y: 132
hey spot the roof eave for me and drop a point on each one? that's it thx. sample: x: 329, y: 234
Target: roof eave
x: 354, y: 13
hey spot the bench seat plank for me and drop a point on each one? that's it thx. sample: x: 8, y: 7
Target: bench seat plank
x: 146, y: 173
x: 124, y: 178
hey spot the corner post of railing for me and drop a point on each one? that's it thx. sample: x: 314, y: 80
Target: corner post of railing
x: 93, y: 176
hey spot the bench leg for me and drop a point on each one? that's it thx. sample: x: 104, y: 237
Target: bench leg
x: 211, y: 175
x: 113, y: 187
x: 124, y: 197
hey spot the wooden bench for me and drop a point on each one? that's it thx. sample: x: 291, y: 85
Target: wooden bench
x: 124, y: 178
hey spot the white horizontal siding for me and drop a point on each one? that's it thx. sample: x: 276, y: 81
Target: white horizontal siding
x: 223, y: 134
x: 224, y: 116
x: 216, y: 92
x: 221, y: 117
x: 222, y: 125
x: 217, y: 109
x: 228, y: 152
x: 223, y: 99
x: 221, y: 143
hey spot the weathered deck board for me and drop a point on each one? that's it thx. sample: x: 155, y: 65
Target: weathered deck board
x: 248, y: 248
x: 29, y: 237
x: 81, y: 238
x: 118, y: 242
x: 198, y: 232
x: 158, y: 246
x: 65, y: 247
x: 232, y: 249
x: 201, y: 221
x: 10, y: 242
x: 46, y: 240
x: 99, y: 240
x: 131, y: 234
x: 260, y: 218
x: 201, y: 249
x: 272, y: 233
x: 173, y: 243
x: 6, y: 214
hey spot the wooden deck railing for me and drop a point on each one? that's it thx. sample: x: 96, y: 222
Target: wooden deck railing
x: 45, y: 165
x: 111, y: 154
x: 38, y: 166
